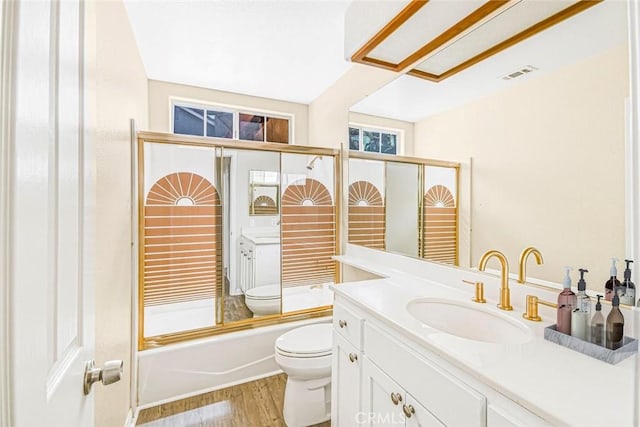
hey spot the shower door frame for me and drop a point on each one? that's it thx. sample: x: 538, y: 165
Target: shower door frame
x: 218, y: 145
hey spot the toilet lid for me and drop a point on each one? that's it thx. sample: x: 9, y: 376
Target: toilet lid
x: 307, y: 340
x: 264, y: 292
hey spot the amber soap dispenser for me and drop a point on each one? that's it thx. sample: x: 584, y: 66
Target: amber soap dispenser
x: 615, y: 324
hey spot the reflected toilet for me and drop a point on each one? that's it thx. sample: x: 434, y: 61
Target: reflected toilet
x: 263, y: 300
x: 304, y: 354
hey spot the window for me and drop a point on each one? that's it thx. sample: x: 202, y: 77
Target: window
x: 373, y: 140
x: 217, y: 122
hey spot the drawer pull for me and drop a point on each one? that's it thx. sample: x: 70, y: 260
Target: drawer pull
x: 396, y: 398
x: 342, y: 323
x: 408, y: 410
x: 353, y: 357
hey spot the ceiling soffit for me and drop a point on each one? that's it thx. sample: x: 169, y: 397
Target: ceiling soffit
x: 435, y: 39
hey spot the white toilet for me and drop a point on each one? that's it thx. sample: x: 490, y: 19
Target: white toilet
x: 263, y: 300
x: 304, y: 354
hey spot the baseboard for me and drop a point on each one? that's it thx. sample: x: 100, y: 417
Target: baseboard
x: 132, y: 418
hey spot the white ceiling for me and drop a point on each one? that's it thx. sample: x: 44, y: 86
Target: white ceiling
x: 595, y: 30
x: 293, y: 50
x: 289, y: 50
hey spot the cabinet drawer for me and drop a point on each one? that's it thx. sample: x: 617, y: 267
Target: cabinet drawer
x: 449, y: 399
x: 348, y: 324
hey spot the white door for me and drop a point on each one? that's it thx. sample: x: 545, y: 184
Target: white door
x: 50, y: 204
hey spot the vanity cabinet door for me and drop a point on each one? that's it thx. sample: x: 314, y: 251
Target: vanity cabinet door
x: 242, y: 250
x: 382, y: 398
x: 346, y: 375
x: 417, y: 415
x: 267, y: 264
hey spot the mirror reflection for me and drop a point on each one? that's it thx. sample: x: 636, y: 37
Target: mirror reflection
x: 405, y: 207
x: 252, y: 234
x: 542, y: 155
x: 308, y: 231
x: 264, y: 193
x: 403, y: 204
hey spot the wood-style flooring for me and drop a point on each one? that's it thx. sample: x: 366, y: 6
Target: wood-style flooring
x: 254, y: 404
x: 234, y: 307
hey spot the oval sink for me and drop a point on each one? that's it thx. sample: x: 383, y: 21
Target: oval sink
x: 468, y: 321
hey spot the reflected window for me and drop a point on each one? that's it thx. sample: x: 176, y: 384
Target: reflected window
x: 389, y: 143
x: 371, y: 141
x: 374, y: 140
x: 354, y: 138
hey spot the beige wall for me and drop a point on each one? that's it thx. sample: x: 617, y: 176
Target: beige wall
x: 120, y: 94
x: 329, y: 112
x: 548, y: 166
x: 385, y: 122
x: 160, y: 105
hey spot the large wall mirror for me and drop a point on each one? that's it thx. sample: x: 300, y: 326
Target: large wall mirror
x: 542, y: 155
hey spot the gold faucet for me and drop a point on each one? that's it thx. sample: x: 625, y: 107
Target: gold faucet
x: 505, y: 299
x: 522, y: 271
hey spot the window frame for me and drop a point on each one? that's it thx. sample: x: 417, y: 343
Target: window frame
x: 236, y: 110
x: 399, y: 133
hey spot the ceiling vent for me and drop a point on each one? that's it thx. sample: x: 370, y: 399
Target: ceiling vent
x: 518, y: 73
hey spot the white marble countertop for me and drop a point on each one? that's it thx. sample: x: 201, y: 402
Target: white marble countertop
x: 560, y: 385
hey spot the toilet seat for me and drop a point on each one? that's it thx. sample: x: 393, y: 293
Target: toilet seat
x: 266, y: 292
x: 306, y: 342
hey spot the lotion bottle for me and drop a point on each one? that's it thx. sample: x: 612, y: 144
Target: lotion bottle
x: 567, y: 301
x: 597, y: 325
x: 613, y: 283
x: 629, y: 296
x: 581, y: 313
x: 615, y: 325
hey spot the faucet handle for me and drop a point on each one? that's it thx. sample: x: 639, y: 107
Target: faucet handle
x: 479, y: 298
x: 532, y: 308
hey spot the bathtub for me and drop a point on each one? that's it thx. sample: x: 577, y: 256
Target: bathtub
x: 177, y: 317
x: 182, y: 370
x: 185, y: 316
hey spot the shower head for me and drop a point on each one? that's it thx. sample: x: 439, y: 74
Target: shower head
x: 311, y: 164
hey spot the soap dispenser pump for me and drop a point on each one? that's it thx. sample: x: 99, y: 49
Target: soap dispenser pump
x: 613, y: 283
x: 597, y: 325
x: 581, y: 313
x: 567, y: 301
x: 628, y: 294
